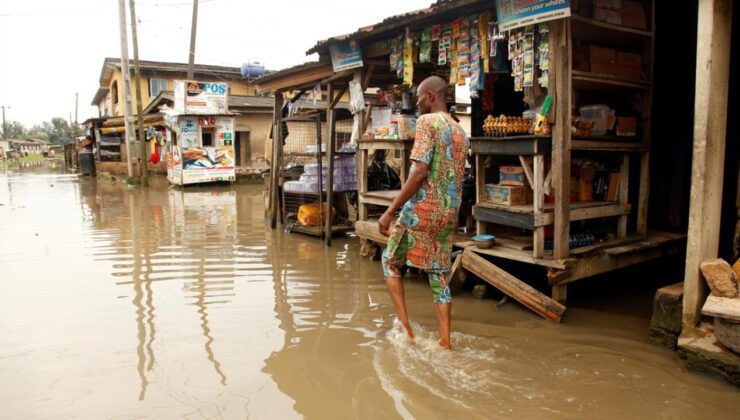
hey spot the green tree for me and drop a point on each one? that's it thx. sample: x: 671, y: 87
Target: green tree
x: 16, y: 130
x: 58, y: 131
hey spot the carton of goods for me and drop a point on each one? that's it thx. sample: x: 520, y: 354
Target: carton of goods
x: 626, y: 126
x: 309, y: 214
x: 508, y: 195
x: 406, y: 126
x: 629, y: 65
x: 633, y: 15
x: 595, y: 59
x: 512, y: 175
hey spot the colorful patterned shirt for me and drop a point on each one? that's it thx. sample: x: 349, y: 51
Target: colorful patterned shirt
x: 422, y: 230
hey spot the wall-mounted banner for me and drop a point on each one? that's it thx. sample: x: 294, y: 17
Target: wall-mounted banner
x: 346, y: 55
x: 514, y: 14
x: 193, y: 97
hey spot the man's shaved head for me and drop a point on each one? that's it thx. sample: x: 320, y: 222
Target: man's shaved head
x: 432, y: 93
x: 434, y: 84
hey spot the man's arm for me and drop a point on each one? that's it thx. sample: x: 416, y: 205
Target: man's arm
x: 413, y: 184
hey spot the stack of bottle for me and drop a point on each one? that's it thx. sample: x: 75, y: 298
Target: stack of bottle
x: 345, y: 177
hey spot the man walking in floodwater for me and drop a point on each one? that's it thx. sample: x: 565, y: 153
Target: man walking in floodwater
x: 420, y: 237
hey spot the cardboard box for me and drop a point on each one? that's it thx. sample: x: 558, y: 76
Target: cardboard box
x: 508, y: 195
x: 626, y: 126
x: 608, y: 15
x: 633, y: 15
x: 629, y: 65
x: 595, y: 59
x: 512, y: 175
x: 586, y: 184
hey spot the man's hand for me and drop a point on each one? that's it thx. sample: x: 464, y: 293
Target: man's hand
x: 384, y: 223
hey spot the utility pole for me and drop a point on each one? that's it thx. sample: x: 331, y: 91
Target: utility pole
x: 75, y: 127
x: 126, y: 71
x: 5, y: 126
x: 191, y: 60
x: 144, y: 176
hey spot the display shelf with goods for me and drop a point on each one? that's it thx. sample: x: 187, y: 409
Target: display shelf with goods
x: 306, y: 177
x: 586, y: 180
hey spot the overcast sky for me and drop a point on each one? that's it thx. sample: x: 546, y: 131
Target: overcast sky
x: 52, y: 49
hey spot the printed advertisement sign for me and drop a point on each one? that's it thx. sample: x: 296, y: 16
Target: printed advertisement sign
x: 514, y: 14
x: 225, y: 131
x: 221, y: 157
x: 193, y: 97
x: 346, y: 55
x: 188, y: 132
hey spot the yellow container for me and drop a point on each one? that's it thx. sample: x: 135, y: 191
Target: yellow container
x: 309, y: 215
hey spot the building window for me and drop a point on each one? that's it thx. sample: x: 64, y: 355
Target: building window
x: 156, y: 86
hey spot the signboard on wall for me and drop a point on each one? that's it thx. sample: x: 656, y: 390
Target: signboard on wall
x: 514, y: 14
x: 193, y: 97
x: 346, y: 55
x: 188, y: 132
x: 225, y: 131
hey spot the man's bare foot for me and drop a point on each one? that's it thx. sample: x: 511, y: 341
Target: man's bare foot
x: 445, y: 344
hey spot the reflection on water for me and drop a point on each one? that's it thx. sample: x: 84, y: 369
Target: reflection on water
x: 168, y: 303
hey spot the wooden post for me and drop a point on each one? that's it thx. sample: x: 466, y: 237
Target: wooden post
x: 143, y: 173
x: 362, y: 210
x: 561, y: 59
x: 707, y: 171
x: 480, y: 188
x: 277, y: 147
x: 539, y: 204
x: 623, y: 195
x: 330, y: 145
x: 642, y: 201
x: 126, y: 92
x: 319, y: 156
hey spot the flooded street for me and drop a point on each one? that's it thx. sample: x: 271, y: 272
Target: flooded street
x: 166, y: 303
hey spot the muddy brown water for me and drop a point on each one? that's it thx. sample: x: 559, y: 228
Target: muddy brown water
x: 164, y: 303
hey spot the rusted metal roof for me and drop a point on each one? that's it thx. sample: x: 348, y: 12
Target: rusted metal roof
x: 287, y: 71
x: 394, y: 22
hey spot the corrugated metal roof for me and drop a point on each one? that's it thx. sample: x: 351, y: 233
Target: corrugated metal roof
x: 290, y: 70
x: 441, y: 6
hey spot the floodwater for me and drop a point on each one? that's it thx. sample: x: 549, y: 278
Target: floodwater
x: 165, y: 303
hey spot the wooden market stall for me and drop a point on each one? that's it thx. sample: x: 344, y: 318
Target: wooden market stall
x: 595, y: 65
x: 311, y: 152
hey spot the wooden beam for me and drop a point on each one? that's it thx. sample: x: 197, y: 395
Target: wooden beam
x: 480, y: 191
x: 339, y: 96
x: 362, y: 162
x: 301, y: 78
x: 368, y: 75
x: 561, y: 59
x: 330, y: 146
x: 623, y: 194
x: 602, y: 262
x: 512, y: 286
x: 298, y: 95
x: 277, y: 147
x: 527, y: 170
x: 538, y: 184
x: 642, y: 201
x: 707, y: 169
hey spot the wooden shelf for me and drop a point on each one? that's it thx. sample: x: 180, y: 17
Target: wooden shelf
x: 321, y: 230
x: 512, y: 145
x: 523, y: 216
x: 390, y: 144
x: 304, y: 154
x: 380, y: 198
x: 600, y: 32
x: 611, y: 145
x: 315, y: 193
x: 594, y: 81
